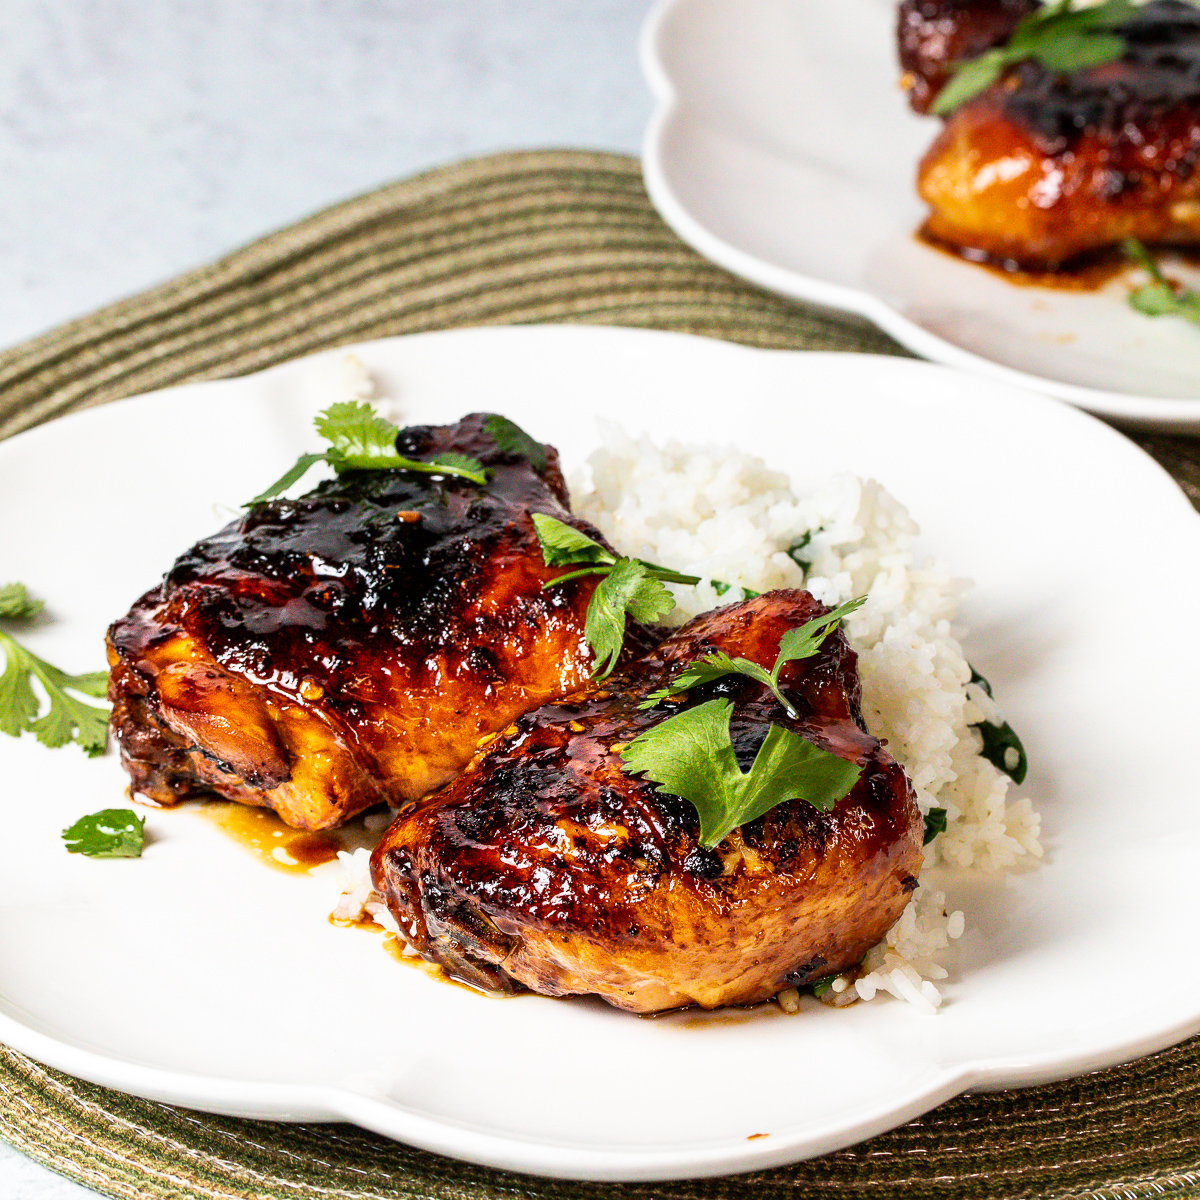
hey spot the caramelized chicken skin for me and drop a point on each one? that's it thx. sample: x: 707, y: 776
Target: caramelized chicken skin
x: 546, y: 865
x: 321, y: 655
x: 933, y: 34
x: 1042, y: 167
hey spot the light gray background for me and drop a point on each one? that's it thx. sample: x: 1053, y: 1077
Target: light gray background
x: 142, y: 137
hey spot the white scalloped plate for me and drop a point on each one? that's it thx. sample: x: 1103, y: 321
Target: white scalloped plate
x: 197, y: 976
x: 782, y: 148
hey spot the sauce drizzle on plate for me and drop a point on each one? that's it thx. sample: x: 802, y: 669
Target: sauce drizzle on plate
x: 259, y: 830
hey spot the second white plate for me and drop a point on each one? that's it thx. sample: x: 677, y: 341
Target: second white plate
x: 782, y: 148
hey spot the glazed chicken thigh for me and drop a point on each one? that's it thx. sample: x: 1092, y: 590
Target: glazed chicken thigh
x: 321, y: 655
x: 546, y: 865
x: 935, y: 34
x: 1044, y: 167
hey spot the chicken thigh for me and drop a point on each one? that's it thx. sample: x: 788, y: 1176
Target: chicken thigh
x: 548, y: 866
x: 1044, y: 167
x: 321, y: 655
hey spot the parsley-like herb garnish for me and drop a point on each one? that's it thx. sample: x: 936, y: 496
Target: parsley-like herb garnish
x: 361, y: 440
x: 510, y: 438
x: 67, y: 718
x: 1001, y: 746
x: 802, y: 642
x: 630, y: 586
x: 822, y: 987
x: 796, y: 549
x: 1059, y: 36
x: 1160, y: 297
x: 16, y: 604
x: 111, y: 833
x: 935, y: 823
x: 690, y: 755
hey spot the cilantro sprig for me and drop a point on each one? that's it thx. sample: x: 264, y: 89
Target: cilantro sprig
x: 361, y: 440
x: 510, y: 438
x: 1160, y: 297
x: 690, y: 755
x: 629, y: 587
x: 802, y: 642
x: 110, y: 833
x: 67, y: 718
x: 16, y: 604
x: 1059, y: 36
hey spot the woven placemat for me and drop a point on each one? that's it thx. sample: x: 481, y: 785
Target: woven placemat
x: 519, y: 238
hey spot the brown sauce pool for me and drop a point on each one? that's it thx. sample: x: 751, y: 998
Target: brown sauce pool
x: 1087, y: 274
x: 297, y: 851
x: 294, y: 851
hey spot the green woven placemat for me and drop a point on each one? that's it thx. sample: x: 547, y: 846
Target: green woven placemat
x: 518, y: 238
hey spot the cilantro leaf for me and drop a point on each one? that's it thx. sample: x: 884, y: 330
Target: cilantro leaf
x: 361, y: 440
x: 354, y: 430
x: 111, y: 833
x: 802, y: 642
x: 18, y: 702
x: 1060, y: 37
x: 807, y: 639
x: 796, y: 549
x: 67, y: 718
x: 822, y: 987
x: 690, y: 755
x: 708, y: 669
x: 510, y: 438
x: 16, y: 604
x: 627, y: 588
x: 789, y: 767
x: 969, y: 79
x: 459, y: 464
x: 935, y: 823
x: 563, y: 545
x: 1160, y: 298
x: 1075, y: 51
x: 1001, y: 746
x: 1003, y: 749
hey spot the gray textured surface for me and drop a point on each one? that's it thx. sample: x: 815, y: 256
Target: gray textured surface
x: 138, y: 139
x: 23, y: 1179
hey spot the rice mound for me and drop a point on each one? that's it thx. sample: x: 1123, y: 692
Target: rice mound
x: 724, y: 515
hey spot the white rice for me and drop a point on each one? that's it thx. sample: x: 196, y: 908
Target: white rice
x: 724, y: 515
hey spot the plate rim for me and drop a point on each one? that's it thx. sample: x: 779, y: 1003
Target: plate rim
x: 1153, y: 412
x: 340, y: 1101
